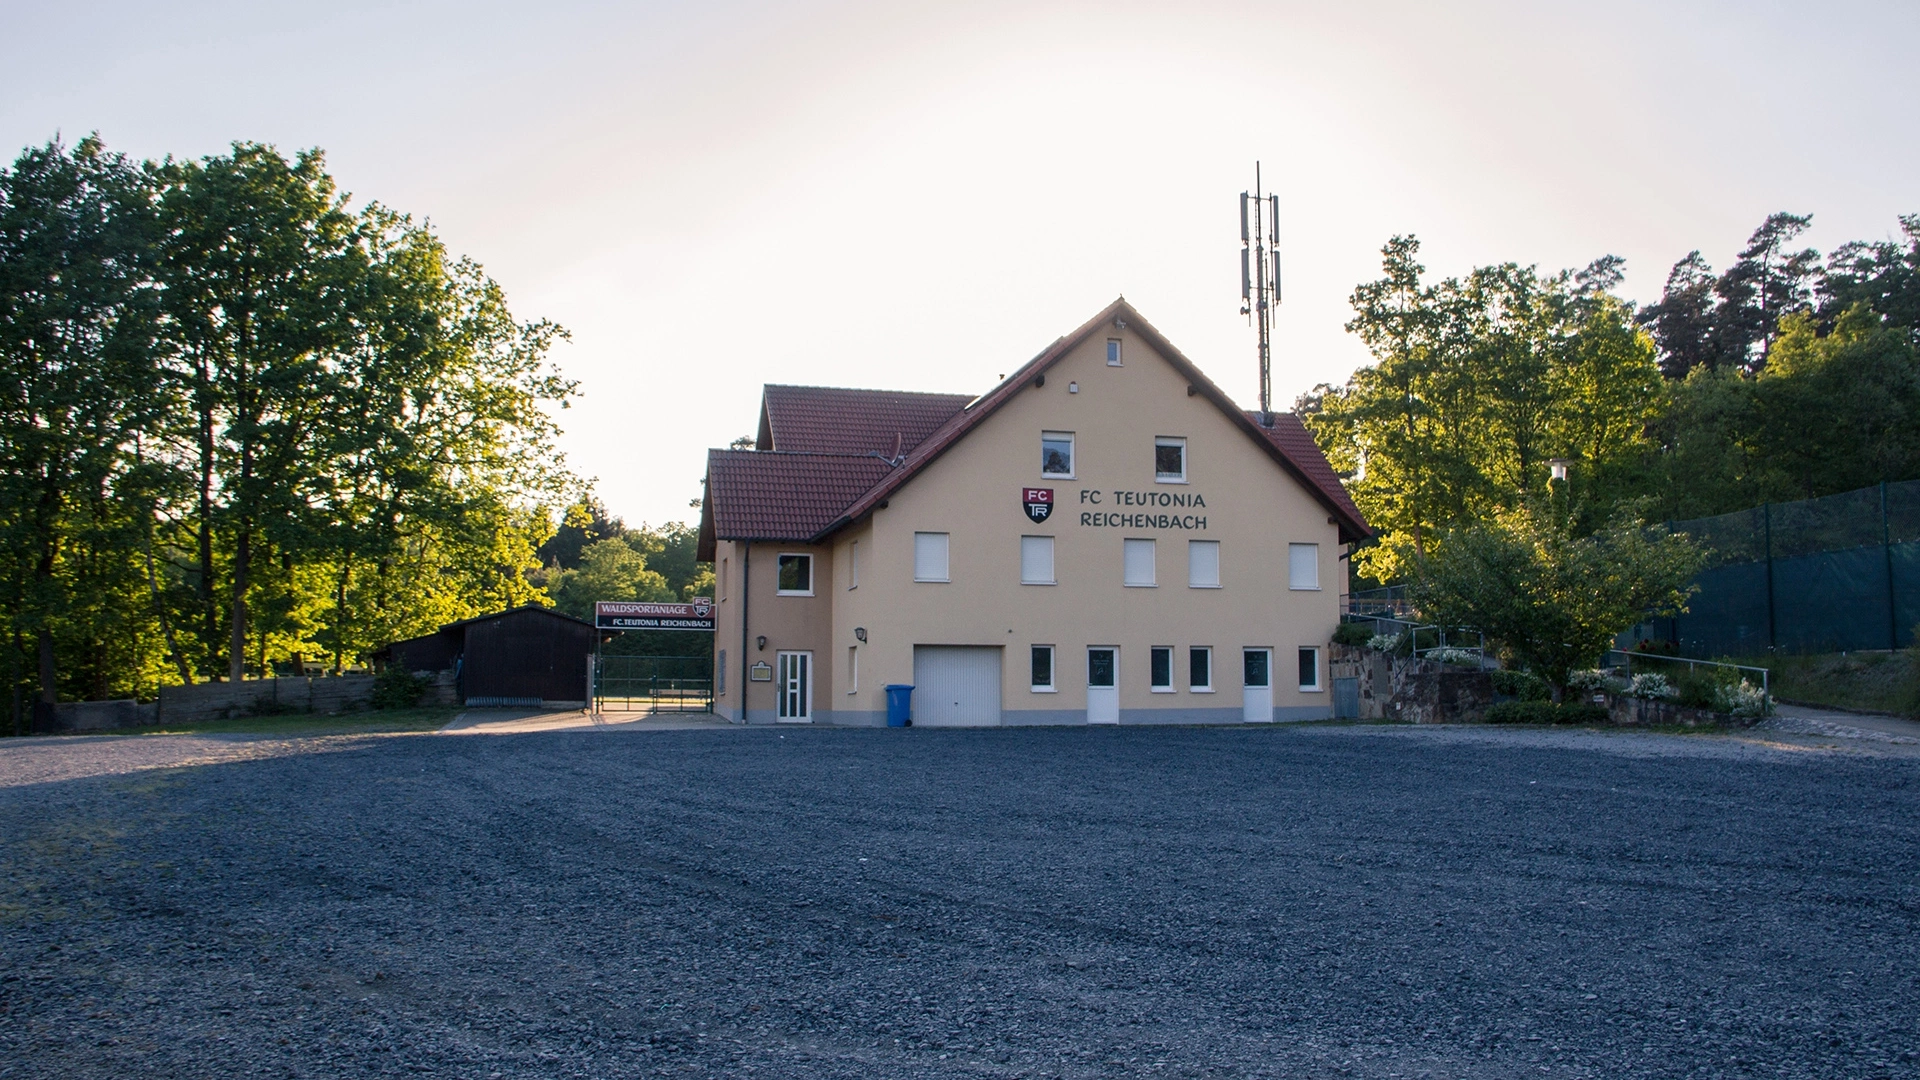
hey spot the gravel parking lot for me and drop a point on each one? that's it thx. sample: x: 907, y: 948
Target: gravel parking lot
x: 1301, y: 901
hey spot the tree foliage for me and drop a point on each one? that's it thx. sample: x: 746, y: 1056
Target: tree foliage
x: 1551, y: 599
x: 247, y: 423
x: 1479, y: 382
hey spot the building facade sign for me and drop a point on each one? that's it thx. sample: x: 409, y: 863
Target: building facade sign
x: 1038, y: 502
x: 1137, y: 503
x: 649, y: 615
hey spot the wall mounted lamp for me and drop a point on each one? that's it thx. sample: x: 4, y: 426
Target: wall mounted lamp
x: 860, y: 632
x: 762, y: 642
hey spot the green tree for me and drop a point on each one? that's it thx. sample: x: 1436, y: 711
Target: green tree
x: 1478, y: 382
x: 259, y: 261
x: 78, y: 386
x: 609, y: 570
x: 1837, y: 412
x: 1550, y: 599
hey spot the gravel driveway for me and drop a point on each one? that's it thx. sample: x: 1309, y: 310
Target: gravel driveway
x: 1297, y: 902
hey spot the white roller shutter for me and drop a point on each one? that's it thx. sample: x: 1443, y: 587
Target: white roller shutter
x: 1139, y: 562
x: 1036, y: 560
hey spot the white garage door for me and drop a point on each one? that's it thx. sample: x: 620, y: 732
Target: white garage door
x: 956, y: 686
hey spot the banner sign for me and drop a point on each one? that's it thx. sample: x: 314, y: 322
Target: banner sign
x: 648, y: 615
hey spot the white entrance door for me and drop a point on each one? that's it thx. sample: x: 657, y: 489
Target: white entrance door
x: 793, y: 682
x: 1256, y: 682
x: 956, y: 686
x: 1103, y: 685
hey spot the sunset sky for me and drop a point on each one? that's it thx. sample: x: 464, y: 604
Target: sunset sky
x: 713, y: 196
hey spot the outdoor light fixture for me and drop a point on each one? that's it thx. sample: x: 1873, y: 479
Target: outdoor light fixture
x: 860, y: 632
x: 762, y: 642
x: 1559, y: 467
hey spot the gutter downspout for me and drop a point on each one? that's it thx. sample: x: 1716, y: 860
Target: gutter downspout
x: 746, y: 593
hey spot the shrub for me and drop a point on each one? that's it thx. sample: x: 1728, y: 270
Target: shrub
x: 1454, y: 656
x: 1386, y: 643
x: 1545, y: 712
x: 1353, y: 633
x: 1587, y: 680
x: 395, y: 688
x: 1524, y: 685
x: 1697, y: 689
x: 1652, y: 686
x: 1741, y: 699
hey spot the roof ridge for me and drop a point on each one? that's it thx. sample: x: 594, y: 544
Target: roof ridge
x: 864, y: 390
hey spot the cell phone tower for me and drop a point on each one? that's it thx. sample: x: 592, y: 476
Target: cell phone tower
x: 1260, y: 278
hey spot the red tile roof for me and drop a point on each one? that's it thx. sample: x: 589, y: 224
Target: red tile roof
x: 1296, y: 442
x: 773, y: 495
x: 838, y: 420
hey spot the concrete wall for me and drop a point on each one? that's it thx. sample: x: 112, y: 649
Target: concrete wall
x: 224, y: 700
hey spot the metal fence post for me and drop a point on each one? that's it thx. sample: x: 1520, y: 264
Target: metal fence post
x: 1766, y: 510
x: 1886, y: 549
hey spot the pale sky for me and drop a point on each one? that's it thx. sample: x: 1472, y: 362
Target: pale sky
x: 713, y: 196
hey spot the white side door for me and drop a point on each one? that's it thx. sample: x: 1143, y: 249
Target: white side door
x: 793, y: 685
x: 1256, y: 686
x: 956, y: 686
x: 1103, y: 685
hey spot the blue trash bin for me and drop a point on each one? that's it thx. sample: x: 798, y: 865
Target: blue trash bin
x: 899, y: 705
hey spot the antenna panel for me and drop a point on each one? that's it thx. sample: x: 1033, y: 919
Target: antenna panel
x: 1243, y: 218
x: 1276, y: 275
x: 1246, y: 276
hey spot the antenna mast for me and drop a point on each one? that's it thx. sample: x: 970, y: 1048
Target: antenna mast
x: 1260, y: 278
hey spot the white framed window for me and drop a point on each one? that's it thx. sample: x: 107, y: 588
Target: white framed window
x: 1203, y: 564
x: 930, y: 556
x: 1036, y: 560
x: 1200, y: 669
x: 1137, y: 564
x: 1160, y: 669
x: 1169, y: 460
x: 1056, y: 454
x: 1113, y: 352
x: 795, y: 576
x: 1303, y: 566
x: 1309, y: 668
x: 853, y: 565
x: 853, y: 669
x: 1041, y: 659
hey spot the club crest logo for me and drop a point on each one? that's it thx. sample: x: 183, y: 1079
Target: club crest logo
x: 1038, y: 503
x: 702, y: 607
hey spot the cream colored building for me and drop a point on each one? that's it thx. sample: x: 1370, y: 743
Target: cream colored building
x: 1189, y: 569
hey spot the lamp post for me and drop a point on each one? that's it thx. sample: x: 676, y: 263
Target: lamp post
x: 1559, y: 466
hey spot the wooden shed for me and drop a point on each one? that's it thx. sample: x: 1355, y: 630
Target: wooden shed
x: 530, y: 656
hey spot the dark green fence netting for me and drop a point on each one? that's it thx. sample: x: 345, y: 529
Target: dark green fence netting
x: 1822, y: 575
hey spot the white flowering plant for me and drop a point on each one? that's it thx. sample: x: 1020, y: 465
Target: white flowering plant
x: 1741, y: 699
x: 1651, y: 686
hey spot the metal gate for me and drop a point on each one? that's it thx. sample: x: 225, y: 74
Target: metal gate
x: 673, y: 684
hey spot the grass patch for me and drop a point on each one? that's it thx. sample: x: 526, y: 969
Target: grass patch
x: 1886, y: 682
x: 303, y: 724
